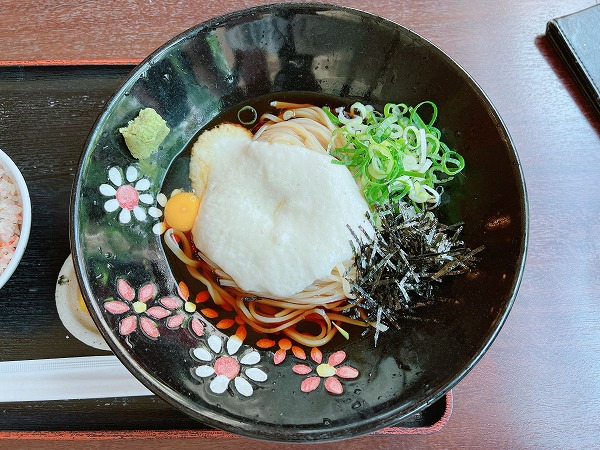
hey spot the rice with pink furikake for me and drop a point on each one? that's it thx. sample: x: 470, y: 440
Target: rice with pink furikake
x: 11, y: 218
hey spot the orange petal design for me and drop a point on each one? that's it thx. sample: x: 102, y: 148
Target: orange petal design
x: 225, y: 323
x: 241, y: 332
x: 285, y: 344
x: 183, y: 290
x: 202, y: 296
x: 265, y: 343
x: 279, y: 356
x: 298, y: 352
x: 316, y: 355
x: 239, y: 320
x: 209, y: 312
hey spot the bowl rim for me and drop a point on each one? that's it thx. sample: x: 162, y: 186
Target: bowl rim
x: 391, y: 416
x: 11, y: 168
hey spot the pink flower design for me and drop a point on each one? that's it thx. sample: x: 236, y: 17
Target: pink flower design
x: 137, y: 313
x: 128, y: 195
x: 182, y: 310
x: 331, y: 372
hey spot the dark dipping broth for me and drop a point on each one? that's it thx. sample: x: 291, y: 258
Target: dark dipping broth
x: 178, y: 178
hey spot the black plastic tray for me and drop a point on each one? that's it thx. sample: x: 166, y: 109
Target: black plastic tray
x: 46, y: 114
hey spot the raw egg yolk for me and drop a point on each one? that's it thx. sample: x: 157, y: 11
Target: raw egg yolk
x: 181, y: 211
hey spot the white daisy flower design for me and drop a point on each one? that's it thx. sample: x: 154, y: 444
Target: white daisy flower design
x: 128, y: 194
x: 160, y: 227
x: 225, y: 366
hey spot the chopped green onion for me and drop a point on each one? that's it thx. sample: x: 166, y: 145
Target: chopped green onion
x: 331, y: 116
x: 341, y: 330
x: 252, y: 111
x: 396, y: 154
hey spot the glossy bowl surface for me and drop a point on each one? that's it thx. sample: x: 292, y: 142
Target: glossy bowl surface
x: 134, y: 293
x: 15, y: 175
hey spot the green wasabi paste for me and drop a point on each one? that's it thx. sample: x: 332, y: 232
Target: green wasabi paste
x: 144, y: 134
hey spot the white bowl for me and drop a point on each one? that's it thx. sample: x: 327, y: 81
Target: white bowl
x: 12, y: 170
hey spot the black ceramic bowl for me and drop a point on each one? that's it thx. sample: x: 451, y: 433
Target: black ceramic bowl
x: 131, y: 287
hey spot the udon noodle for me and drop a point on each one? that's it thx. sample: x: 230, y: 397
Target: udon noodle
x: 327, y: 301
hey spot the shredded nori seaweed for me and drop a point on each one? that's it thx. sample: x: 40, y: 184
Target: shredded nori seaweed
x: 406, y: 256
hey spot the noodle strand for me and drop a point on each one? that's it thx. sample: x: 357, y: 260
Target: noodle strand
x: 321, y: 303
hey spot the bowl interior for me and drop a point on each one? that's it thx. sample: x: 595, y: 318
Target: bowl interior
x: 15, y: 174
x: 274, y: 51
